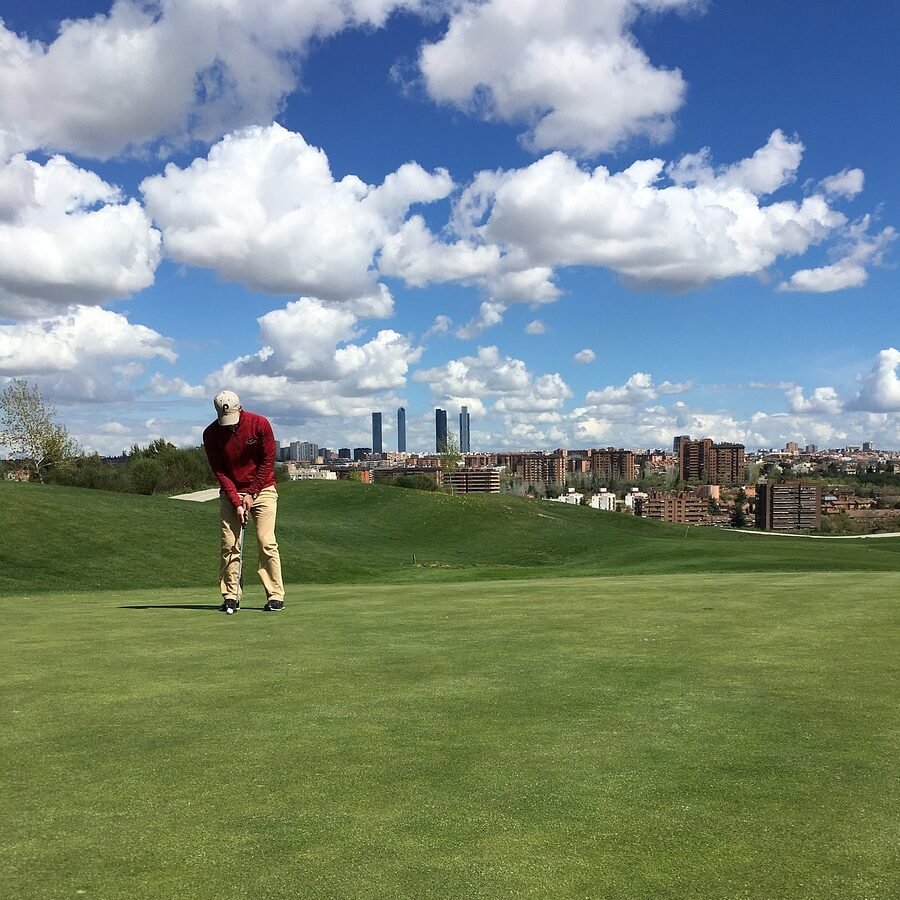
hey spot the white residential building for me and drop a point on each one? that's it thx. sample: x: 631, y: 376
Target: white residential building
x: 571, y: 497
x: 604, y: 500
x: 632, y: 495
x: 308, y: 473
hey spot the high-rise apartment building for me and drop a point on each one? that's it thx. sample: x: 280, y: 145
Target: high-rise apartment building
x: 464, y: 440
x: 788, y: 506
x: 376, y: 433
x: 708, y: 462
x: 610, y: 464
x: 440, y: 430
x: 307, y: 451
x: 692, y: 457
x: 401, y: 429
x: 534, y: 468
x: 725, y: 464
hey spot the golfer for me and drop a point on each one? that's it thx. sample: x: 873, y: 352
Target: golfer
x: 240, y: 447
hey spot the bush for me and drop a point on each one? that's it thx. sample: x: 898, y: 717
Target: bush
x: 93, y: 472
x: 417, y: 482
x: 146, y: 475
x: 159, y: 468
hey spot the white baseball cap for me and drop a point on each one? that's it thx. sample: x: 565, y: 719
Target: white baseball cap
x: 228, y: 407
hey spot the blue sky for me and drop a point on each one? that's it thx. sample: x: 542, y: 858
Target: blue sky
x: 593, y: 223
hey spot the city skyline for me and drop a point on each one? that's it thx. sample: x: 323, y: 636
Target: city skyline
x: 440, y: 429
x: 337, y: 208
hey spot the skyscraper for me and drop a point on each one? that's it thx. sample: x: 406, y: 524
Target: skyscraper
x: 464, y: 441
x: 376, y: 433
x: 440, y: 430
x: 401, y: 430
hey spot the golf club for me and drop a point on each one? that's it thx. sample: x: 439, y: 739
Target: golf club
x: 241, y: 560
x: 230, y: 610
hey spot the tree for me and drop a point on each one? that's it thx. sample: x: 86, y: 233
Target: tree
x: 739, y: 517
x: 451, y: 458
x: 28, y: 430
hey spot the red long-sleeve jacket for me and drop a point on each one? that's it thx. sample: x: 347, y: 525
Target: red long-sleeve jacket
x: 242, y: 460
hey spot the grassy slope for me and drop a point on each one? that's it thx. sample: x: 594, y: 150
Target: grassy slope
x: 69, y: 539
x: 665, y: 737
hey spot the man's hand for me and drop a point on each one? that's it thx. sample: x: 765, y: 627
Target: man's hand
x: 244, y: 508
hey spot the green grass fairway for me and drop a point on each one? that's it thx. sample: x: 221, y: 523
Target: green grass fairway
x: 652, y: 736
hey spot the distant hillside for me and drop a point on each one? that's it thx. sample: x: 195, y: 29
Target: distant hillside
x: 57, y: 539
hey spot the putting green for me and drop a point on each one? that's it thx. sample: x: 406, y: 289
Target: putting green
x: 655, y: 736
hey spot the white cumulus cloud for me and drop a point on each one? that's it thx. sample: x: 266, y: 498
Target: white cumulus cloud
x: 264, y: 209
x: 847, y: 183
x: 68, y: 238
x: 489, y: 314
x: 315, y: 362
x: 859, y: 250
x: 639, y: 389
x: 677, y: 227
x: 169, y: 69
x: 571, y: 70
x: 679, y: 235
x: 85, y: 354
x: 880, y: 389
x: 440, y: 326
x: 821, y: 400
x: 473, y: 380
x: 585, y: 356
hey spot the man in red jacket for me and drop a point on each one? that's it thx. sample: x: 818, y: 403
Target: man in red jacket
x: 240, y: 447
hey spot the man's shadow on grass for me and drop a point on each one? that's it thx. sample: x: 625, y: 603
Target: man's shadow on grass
x: 205, y: 607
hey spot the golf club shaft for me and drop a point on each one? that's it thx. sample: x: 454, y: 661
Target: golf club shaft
x: 241, y: 557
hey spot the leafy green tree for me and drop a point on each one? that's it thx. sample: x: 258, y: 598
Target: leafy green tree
x: 28, y: 428
x: 738, y: 516
x: 451, y: 458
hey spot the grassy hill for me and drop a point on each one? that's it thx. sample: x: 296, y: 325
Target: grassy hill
x: 68, y: 539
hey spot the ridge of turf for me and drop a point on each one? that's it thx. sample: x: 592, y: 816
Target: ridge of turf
x: 58, y: 538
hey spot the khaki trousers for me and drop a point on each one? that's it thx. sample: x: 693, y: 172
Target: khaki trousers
x: 268, y: 559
